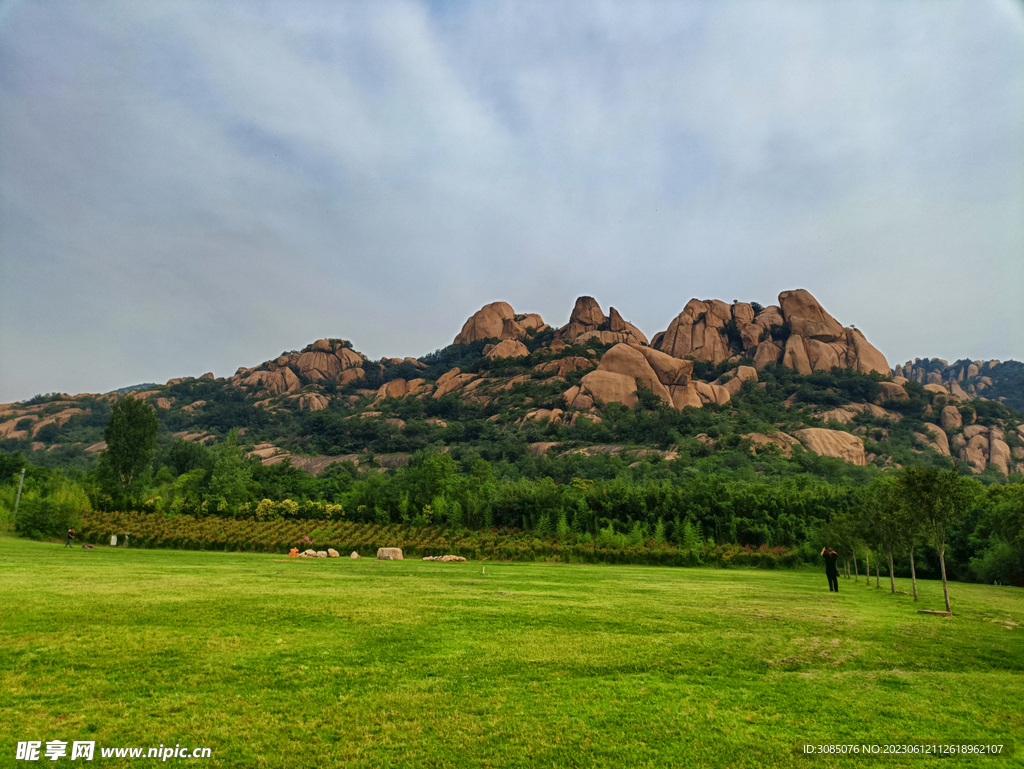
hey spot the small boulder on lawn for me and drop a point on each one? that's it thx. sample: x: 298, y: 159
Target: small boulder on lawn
x: 389, y: 554
x: 332, y: 553
x: 354, y: 554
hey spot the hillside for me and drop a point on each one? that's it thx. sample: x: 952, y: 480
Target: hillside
x: 722, y: 382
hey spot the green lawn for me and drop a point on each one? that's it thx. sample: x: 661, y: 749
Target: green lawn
x: 322, y: 663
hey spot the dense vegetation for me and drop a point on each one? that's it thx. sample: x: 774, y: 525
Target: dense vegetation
x: 649, y: 473
x: 575, y: 501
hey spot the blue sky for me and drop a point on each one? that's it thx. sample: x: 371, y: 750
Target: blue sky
x: 195, y: 186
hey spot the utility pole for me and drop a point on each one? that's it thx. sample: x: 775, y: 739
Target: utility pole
x: 18, y: 500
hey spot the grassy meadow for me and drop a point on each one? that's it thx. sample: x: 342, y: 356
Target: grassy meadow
x: 276, y: 662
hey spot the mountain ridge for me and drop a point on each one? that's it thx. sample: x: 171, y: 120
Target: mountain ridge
x: 822, y: 382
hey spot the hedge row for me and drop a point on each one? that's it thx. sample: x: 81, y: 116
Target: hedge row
x: 185, y: 532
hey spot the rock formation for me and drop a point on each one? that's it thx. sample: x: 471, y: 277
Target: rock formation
x: 784, y: 443
x: 698, y: 332
x: 833, y: 443
x: 452, y: 381
x: 323, y: 361
x: 313, y: 402
x: 498, y: 320
x: 507, y: 348
x: 616, y: 377
x: 588, y: 322
x: 713, y: 331
x: 564, y: 366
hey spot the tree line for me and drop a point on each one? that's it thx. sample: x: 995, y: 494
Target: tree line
x: 930, y: 519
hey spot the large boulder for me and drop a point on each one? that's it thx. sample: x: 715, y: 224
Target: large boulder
x: 313, y: 402
x: 808, y: 318
x: 324, y: 361
x: 818, y: 342
x: 587, y: 312
x: 737, y: 377
x: 783, y: 442
x: 796, y: 356
x: 951, y: 418
x: 564, y: 366
x: 669, y: 370
x: 451, y: 381
x: 936, y: 438
x: 498, y: 320
x: 396, y: 388
x: 892, y: 392
x: 698, y: 332
x: 603, y: 386
x: 976, y: 451
x: 507, y: 348
x: 999, y: 451
x: 833, y: 443
x: 630, y: 362
x: 485, y: 323
x: 685, y: 395
x: 389, y: 554
x: 711, y: 393
x: 767, y: 354
x: 853, y: 352
x: 277, y: 382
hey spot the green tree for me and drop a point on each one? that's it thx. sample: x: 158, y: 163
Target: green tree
x: 938, y: 499
x: 891, y: 524
x: 131, y: 442
x: 231, y: 476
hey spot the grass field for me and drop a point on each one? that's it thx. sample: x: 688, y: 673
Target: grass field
x: 272, y: 662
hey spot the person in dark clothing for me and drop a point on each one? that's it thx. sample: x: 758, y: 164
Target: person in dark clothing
x: 71, y: 536
x: 831, y: 570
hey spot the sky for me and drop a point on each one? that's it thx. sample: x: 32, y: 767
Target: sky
x: 191, y: 186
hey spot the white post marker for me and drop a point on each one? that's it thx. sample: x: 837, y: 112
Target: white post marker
x: 18, y: 500
x: 113, y: 540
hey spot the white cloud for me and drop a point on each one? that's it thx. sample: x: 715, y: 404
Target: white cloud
x: 200, y: 185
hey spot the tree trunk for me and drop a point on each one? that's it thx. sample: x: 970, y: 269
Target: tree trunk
x: 856, y: 575
x: 878, y: 568
x: 913, y: 573
x: 892, y: 577
x: 945, y: 587
x: 867, y: 562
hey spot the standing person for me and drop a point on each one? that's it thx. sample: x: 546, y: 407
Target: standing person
x: 71, y: 536
x: 831, y: 570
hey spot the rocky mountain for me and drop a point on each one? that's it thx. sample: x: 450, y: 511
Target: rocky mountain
x: 781, y: 379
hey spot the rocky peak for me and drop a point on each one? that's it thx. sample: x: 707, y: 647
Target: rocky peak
x: 587, y: 312
x: 711, y: 330
x: 808, y: 318
x: 498, y: 320
x: 588, y: 322
x: 326, y: 360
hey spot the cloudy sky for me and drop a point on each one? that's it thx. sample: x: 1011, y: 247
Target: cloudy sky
x: 195, y: 186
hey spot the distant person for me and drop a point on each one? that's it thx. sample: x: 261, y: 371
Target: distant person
x: 831, y: 570
x: 71, y: 536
